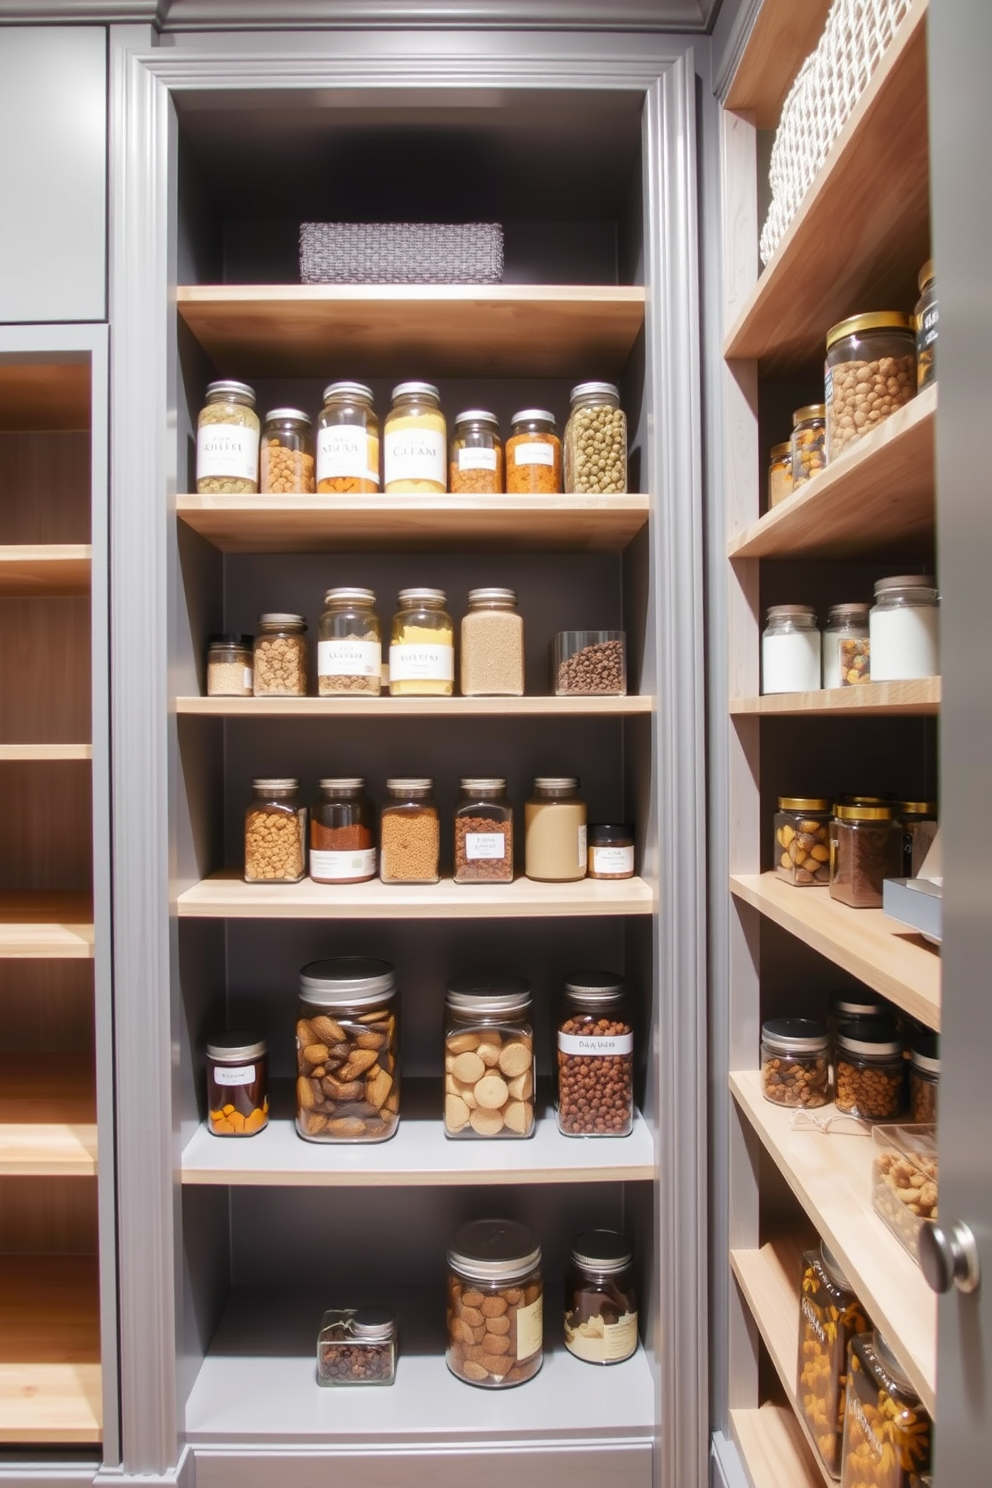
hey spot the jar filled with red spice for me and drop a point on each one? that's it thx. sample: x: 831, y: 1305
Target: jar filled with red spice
x: 342, y: 833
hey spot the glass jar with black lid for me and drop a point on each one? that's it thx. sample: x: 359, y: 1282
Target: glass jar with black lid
x: 237, y: 1083
x: 853, y: 1007
x: 924, y: 1078
x: 794, y: 1062
x: 610, y: 847
x: 870, y: 1071
x: 601, y: 1298
x: 495, y: 1303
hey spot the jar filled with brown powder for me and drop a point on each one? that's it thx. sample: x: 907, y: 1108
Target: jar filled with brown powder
x: 410, y: 834
x: 342, y: 833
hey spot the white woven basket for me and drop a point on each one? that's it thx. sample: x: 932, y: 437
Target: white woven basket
x: 401, y: 253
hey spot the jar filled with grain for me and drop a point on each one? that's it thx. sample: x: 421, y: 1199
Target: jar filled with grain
x: 415, y: 444
x: 281, y: 656
x: 237, y: 1084
x: 495, y: 1304
x: 227, y: 436
x: 846, y: 648
x: 802, y: 840
x: 533, y: 454
x: 555, y: 848
x: 483, y: 833
x: 919, y: 828
x: 924, y: 1078
x: 230, y: 666
x: 865, y: 849
x: 347, y: 1051
x: 409, y: 833
x: 779, y: 473
x: 926, y: 317
x: 830, y: 1315
x: 595, y: 1057
x: 349, y: 651
x: 808, y: 446
x: 342, y: 833
x: 794, y: 1062
x: 870, y: 1071
x: 887, y: 1432
x: 347, y: 441
x: 286, y: 463
x: 275, y: 832
x: 492, y: 645
x: 904, y: 625
x: 475, y: 465
x: 870, y: 372
x: 596, y: 441
x: 422, y: 646
x: 488, y: 1057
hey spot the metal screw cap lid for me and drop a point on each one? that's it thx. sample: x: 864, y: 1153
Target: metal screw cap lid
x: 399, y: 784
x: 226, y: 387
x: 556, y: 782
x: 477, y: 416
x: 494, y: 1249
x: 487, y: 785
x: 374, y: 1324
x: 344, y: 595
x: 278, y: 617
x: 492, y: 596
x: 490, y: 992
x: 348, y: 390
x: 236, y: 1044
x: 425, y: 596
x: 295, y: 414
x: 602, y: 1250
x: 533, y: 415
x: 589, y: 389
x: 795, y: 1036
x: 594, y: 986
x: 347, y: 979
x: 789, y: 609
x: 273, y: 783
x: 416, y: 389
x: 342, y: 783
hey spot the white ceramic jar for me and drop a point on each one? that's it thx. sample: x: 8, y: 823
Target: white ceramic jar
x: 905, y: 629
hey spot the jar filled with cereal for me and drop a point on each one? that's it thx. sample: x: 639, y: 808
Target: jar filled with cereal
x: 415, y: 443
x: 281, y: 656
x: 286, y: 463
x: 870, y: 1071
x: 275, y: 832
x: 870, y: 372
x: 475, y: 466
x: 794, y: 1062
x: 596, y: 441
x: 886, y: 1429
x: 227, y: 435
x: 347, y: 441
x: 595, y: 1057
x: 495, y: 1304
x: 533, y: 454
x: 347, y: 1051
x: 802, y: 840
x: 830, y: 1315
x: 808, y: 446
x: 488, y: 1057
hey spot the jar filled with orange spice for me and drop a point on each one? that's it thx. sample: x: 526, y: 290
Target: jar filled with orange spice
x: 533, y: 454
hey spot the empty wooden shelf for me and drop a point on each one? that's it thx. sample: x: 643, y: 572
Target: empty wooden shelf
x: 44, y: 570
x: 45, y: 925
x: 50, y: 1384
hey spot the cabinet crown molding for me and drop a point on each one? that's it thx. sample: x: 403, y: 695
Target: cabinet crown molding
x: 282, y: 15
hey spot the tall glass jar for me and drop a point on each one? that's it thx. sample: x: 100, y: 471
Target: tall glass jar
x: 596, y: 441
x: 230, y: 666
x: 790, y: 650
x: 924, y: 1079
x: 919, y: 828
x: 927, y: 315
x: 342, y: 833
x: 349, y: 651
x: 422, y: 647
x: 348, y: 440
x: 779, y: 473
x: 795, y: 1055
x: 483, y: 833
x: 227, y: 435
x: 415, y: 446
x: 595, y: 1057
x: 492, y: 637
x: 870, y: 1071
x: 281, y: 656
x: 475, y: 465
x: 237, y: 1084
x: 347, y: 1051
x: 488, y: 1058
x: 865, y: 849
x: 555, y: 848
x: 808, y: 446
x: 601, y: 1298
x: 533, y: 454
x: 275, y: 832
x: 886, y: 1430
x: 495, y: 1303
x: 870, y: 372
x: 802, y: 840
x: 830, y: 1315
x: 846, y: 647
x: 286, y: 465
x: 905, y: 629
x: 409, y: 833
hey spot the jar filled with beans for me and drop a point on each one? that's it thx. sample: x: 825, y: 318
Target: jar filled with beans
x: 794, y: 1062
x: 347, y: 441
x: 475, y: 462
x: 870, y: 1071
x: 595, y: 1057
x: 347, y: 1051
x: 808, y: 446
x: 870, y: 372
x: 596, y: 441
x: 533, y: 454
x: 275, y: 832
x: 286, y: 464
x: 924, y: 1078
x: 495, y: 1304
x: 802, y: 840
x: 227, y: 435
x: 281, y: 656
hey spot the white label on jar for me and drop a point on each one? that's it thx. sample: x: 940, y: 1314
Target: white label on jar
x: 249, y: 678
x: 226, y: 451
x: 335, y: 866
x: 342, y: 454
x: 904, y: 643
x: 530, y: 1329
x: 242, y: 1074
x: 418, y: 663
x: 613, y: 860
x: 476, y: 459
x: 349, y: 658
x: 583, y: 847
x: 415, y: 454
x: 533, y: 454
x: 621, y: 1337
x: 487, y: 845
x: 603, y: 1343
x: 791, y: 662
x: 600, y: 1048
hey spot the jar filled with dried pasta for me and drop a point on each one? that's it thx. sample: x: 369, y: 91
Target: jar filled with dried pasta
x: 870, y: 372
x: 281, y: 656
x: 596, y: 441
x: 347, y: 1051
x: 808, y: 445
x: 227, y: 435
x: 802, y: 840
x: 533, y: 454
x: 495, y: 1304
x: 286, y: 465
x: 488, y: 1057
x: 422, y: 646
x: 475, y: 466
x: 275, y: 832
x: 347, y: 440
x: 870, y: 1071
x: 830, y: 1315
x: 415, y: 443
x: 349, y: 651
x: 887, y: 1432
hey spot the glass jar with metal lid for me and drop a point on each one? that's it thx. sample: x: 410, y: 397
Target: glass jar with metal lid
x: 281, y: 656
x: 422, y: 646
x: 595, y: 1057
x: 492, y: 645
x: 808, y: 446
x: 347, y: 440
x: 779, y: 472
x: 869, y: 1072
x: 919, y: 828
x: 483, y: 832
x: 846, y: 647
x: 802, y: 840
x: 230, y: 666
x: 830, y: 1315
x: 887, y: 1432
x: 533, y: 454
x: 349, y: 650
x: 924, y: 1078
x: 610, y: 847
x: 555, y: 849
x: 926, y: 316
x: 237, y: 1084
x: 495, y: 1303
x: 415, y: 443
x: 357, y: 1346
x: 488, y: 1057
x: 865, y: 848
x: 790, y: 650
x: 286, y: 465
x: 347, y: 1051
x: 409, y: 833
x: 475, y: 464
x: 596, y: 441
x: 794, y: 1062
x: 227, y: 436
x: 275, y: 832
x: 601, y: 1298
x: 870, y: 372
x: 905, y: 629
x: 342, y: 833
x: 856, y: 1007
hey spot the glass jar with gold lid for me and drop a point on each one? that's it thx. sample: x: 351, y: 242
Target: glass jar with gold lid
x: 415, y: 445
x: 348, y: 440
x: 808, y: 446
x: 476, y: 463
x: 870, y: 372
x: 802, y: 840
x: 865, y: 849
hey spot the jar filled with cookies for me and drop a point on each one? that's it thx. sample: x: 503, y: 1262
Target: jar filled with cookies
x: 488, y: 1058
x: 495, y: 1304
x: 870, y: 1072
x: 829, y: 1317
x: 347, y: 1051
x: 794, y: 1062
x: 802, y: 840
x: 887, y: 1432
x: 347, y: 441
x: 286, y: 464
x: 475, y: 463
x: 595, y: 1057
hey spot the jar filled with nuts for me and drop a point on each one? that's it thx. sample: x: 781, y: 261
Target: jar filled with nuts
x: 588, y: 663
x: 415, y: 444
x: 237, y: 1084
x: 410, y: 833
x: 924, y: 1078
x: 886, y: 1430
x: 422, y: 646
x: 802, y: 840
x: 349, y: 651
x: 779, y: 473
x: 601, y: 1298
x: 357, y: 1346
x: 870, y: 372
x: 275, y: 833
x: 808, y: 446
x: 347, y: 441
x: 595, y: 1057
x: 596, y: 441
x: 794, y: 1062
x: 533, y: 454
x: 230, y: 666
x: 846, y: 647
x: 865, y: 849
x: 475, y: 464
x: 488, y: 1058
x: 227, y: 435
x: 905, y: 1180
x: 927, y: 315
x: 281, y: 656
x: 347, y: 1051
x: 919, y: 828
x: 483, y: 832
x: 870, y: 1071
x: 495, y: 1304
x: 829, y: 1317
x: 286, y: 463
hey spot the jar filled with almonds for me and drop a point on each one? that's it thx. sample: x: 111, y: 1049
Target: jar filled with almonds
x: 488, y: 1058
x: 347, y: 1051
x: 829, y: 1317
x: 886, y: 1429
x: 794, y: 1062
x: 802, y: 840
x: 286, y: 465
x: 275, y: 832
x: 495, y: 1304
x: 870, y: 1072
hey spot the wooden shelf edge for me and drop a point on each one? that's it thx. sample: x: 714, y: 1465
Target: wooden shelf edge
x: 45, y: 926
x: 409, y: 294
x: 45, y: 570
x: 773, y: 1448
x: 780, y: 40
x: 48, y: 1149
x: 916, y: 699
x: 50, y: 1375
x: 386, y: 707
x: 45, y: 753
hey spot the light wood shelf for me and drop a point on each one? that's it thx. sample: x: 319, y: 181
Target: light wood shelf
x: 886, y: 956
x: 781, y: 38
x: 47, y: 1119
x: 862, y: 232
x: 226, y: 896
x: 830, y: 1175
x: 879, y: 491
x: 45, y: 926
x: 51, y: 395
x: 919, y: 699
x: 45, y: 753
x: 368, y: 330
x: 344, y: 524
x: 45, y: 570
x: 774, y: 1449
x: 50, y: 1384
x: 357, y: 706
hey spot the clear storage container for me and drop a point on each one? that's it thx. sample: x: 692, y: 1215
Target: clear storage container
x: 347, y: 441
x: 905, y: 629
x: 808, y: 446
x: 555, y: 849
x: 802, y: 840
x: 886, y: 1430
x: 830, y: 1315
x: 342, y: 833
x: 853, y: 1007
x: 422, y: 648
x: 281, y: 656
x: 415, y: 444
x: 865, y: 849
x: 275, y: 832
x: 483, y: 832
x: 409, y: 833
x: 488, y: 1058
x: 588, y: 663
x: 230, y: 666
x: 924, y: 1079
x: 349, y: 650
x: 927, y: 315
x: 846, y: 646
x: 601, y: 1298
x: 779, y: 472
x: 495, y: 1304
x: 919, y: 828
x: 286, y: 464
x: 595, y: 1095
x: 347, y: 1051
x: 870, y: 372
x: 357, y: 1346
x: 795, y: 1056
x: 492, y: 645
x: 790, y: 650
x: 905, y: 1180
x: 870, y: 1072
x: 227, y: 437
x: 610, y: 848
x: 475, y: 464
x: 596, y: 441
x: 237, y: 1084
x: 533, y: 454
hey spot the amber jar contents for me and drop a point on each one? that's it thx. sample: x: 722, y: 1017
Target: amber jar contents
x: 808, y: 446
x: 415, y: 442
x: 555, y: 848
x: 870, y: 1071
x: 488, y: 1058
x: 802, y: 840
x: 595, y: 1057
x: 275, y: 833
x: 410, y: 835
x: 227, y: 435
x: 492, y: 645
x: 533, y: 454
x: 347, y: 440
x: 600, y: 1298
x: 779, y: 473
x: 349, y: 651
x: 495, y: 1304
x: 342, y: 833
x: 475, y: 464
x: 924, y: 1078
x: 865, y: 849
x: 794, y: 1062
x: 286, y: 464
x: 886, y: 1430
x: 347, y: 1051
x: 829, y: 1317
x: 237, y: 1084
x: 870, y: 372
x: 483, y: 833
x: 281, y: 656
x: 422, y: 646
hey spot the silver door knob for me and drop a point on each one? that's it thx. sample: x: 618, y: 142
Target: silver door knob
x: 949, y: 1257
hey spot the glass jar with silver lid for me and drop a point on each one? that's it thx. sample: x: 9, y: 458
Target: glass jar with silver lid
x: 475, y: 465
x: 357, y: 1346
x: 601, y: 1298
x: 347, y: 441
x: 349, y: 649
x: 595, y: 1057
x: 596, y: 441
x: 905, y: 629
x: 227, y: 437
x: 495, y: 1304
x: 794, y: 1062
x: 846, y: 647
x: 275, y: 832
x: 347, y: 1051
x: 286, y: 465
x: 415, y: 443
x: 488, y: 1057
x: 790, y: 650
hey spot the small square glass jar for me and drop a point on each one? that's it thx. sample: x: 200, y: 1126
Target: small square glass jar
x: 869, y: 1071
x: 483, y: 849
x: 410, y: 833
x: 865, y: 849
x: 589, y: 663
x: 237, y: 1084
x: 488, y: 1058
x: 282, y: 656
x: 802, y: 840
x: 357, y: 1346
x: 905, y: 1180
x: 275, y: 832
x: 794, y: 1062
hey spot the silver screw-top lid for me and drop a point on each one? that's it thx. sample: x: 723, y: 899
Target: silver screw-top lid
x: 795, y: 1036
x: 559, y: 783
x: 602, y: 1250
x: 348, y: 980
x: 533, y: 415
x: 791, y: 609
x: 342, y: 783
x: 296, y: 414
x: 227, y: 388
x: 590, y: 389
x: 424, y: 596
x: 874, y: 1038
x: 594, y: 986
x: 275, y: 619
x: 891, y: 1364
x: 494, y: 1250
x: 273, y: 784
x: 348, y: 390
x: 490, y: 992
x: 414, y: 389
x: 833, y: 1266
x: 349, y: 596
x: 477, y: 416
x: 373, y: 1324
x: 236, y: 1044
x: 905, y: 581
x: 840, y: 612
x: 400, y: 785
x: 492, y: 596
x: 486, y: 786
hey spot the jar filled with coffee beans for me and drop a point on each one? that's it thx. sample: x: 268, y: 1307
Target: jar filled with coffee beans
x: 483, y: 832
x: 924, y: 1078
x: 347, y: 1051
x: 870, y: 1071
x: 802, y: 840
x: 595, y: 1057
x: 596, y: 441
x: 865, y: 849
x: 495, y: 1304
x: 357, y: 1346
x: 589, y: 663
x: 794, y: 1062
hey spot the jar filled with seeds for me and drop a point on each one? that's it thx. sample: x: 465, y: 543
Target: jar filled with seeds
x: 870, y: 372
x: 415, y: 444
x: 492, y: 637
x: 281, y: 656
x: 779, y: 473
x: 237, y: 1084
x: 555, y: 846
x: 924, y: 1078
x: 870, y: 1071
x: 830, y: 1315
x: 887, y: 1432
x: 904, y: 624
x: 349, y: 651
x: 846, y: 647
x: 286, y: 464
x: 794, y: 1062
x: 230, y: 666
x: 488, y: 1058
x: 919, y: 828
x: 347, y: 441
x: 227, y: 436
x: 275, y: 832
x: 475, y: 464
x: 927, y: 314
x: 483, y: 833
x: 790, y: 650
x: 347, y: 1051
x: 342, y: 833
x: 865, y: 849
x: 533, y: 454
x: 802, y: 840
x: 495, y: 1304
x: 409, y: 833
x: 587, y: 663
x: 595, y: 1096
x: 422, y: 647
x: 601, y: 1298
x: 610, y: 846
x: 808, y: 446
x: 596, y: 441
x: 357, y: 1346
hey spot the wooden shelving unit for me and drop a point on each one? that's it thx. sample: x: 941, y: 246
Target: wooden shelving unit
x: 782, y: 36
x: 415, y: 707
x: 50, y: 1378
x: 871, y: 699
x: 774, y: 1448
x: 47, y: 1120
x: 53, y: 926
x: 45, y: 752
x: 44, y: 570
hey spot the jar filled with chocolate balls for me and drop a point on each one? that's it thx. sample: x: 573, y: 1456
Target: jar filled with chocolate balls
x: 595, y: 1057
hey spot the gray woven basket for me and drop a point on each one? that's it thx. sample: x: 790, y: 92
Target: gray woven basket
x: 401, y: 253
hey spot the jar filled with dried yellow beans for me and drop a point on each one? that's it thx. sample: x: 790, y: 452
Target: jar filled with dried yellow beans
x: 829, y: 1317
x: 596, y: 441
x: 886, y: 1430
x: 286, y: 466
x: 475, y: 466
x: 227, y: 435
x: 275, y: 833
